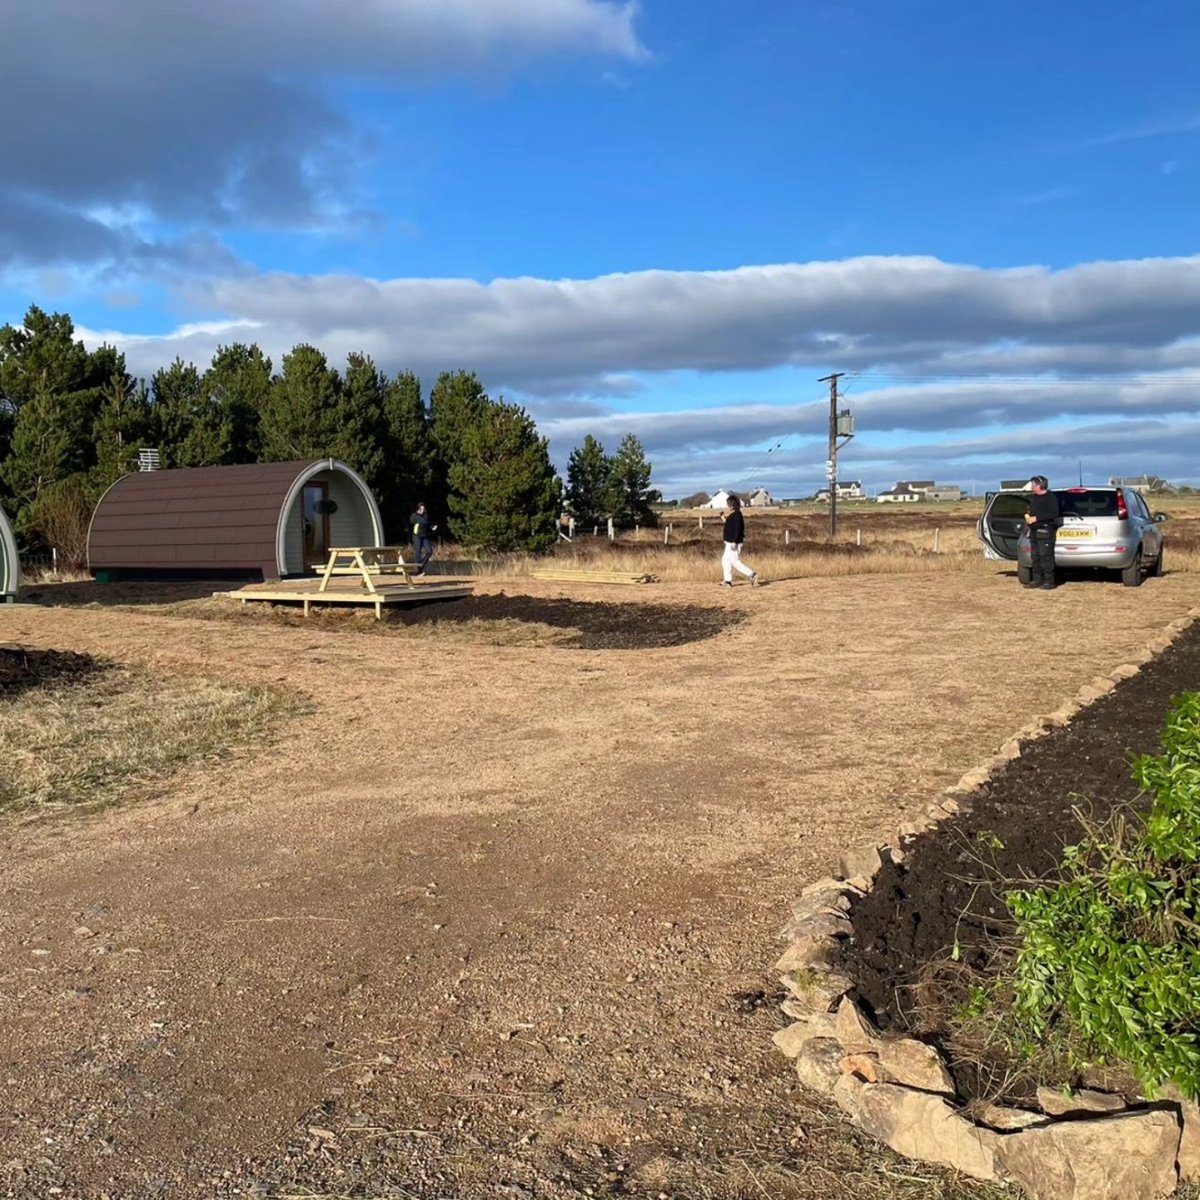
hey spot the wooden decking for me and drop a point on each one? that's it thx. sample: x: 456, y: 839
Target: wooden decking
x: 308, y: 592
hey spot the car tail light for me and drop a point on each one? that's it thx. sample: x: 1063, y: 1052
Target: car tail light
x: 1122, y: 507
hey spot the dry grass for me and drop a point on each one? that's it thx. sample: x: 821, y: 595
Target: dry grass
x: 478, y: 632
x: 84, y: 745
x: 795, y: 544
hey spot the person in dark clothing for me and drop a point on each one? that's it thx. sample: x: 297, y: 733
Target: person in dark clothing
x: 734, y: 535
x: 422, y: 537
x: 1043, y: 519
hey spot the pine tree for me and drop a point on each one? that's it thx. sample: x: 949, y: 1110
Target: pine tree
x: 631, y: 493
x: 183, y: 422
x: 456, y: 404
x: 238, y: 385
x: 120, y: 430
x: 409, y: 471
x: 44, y: 448
x: 504, y: 493
x: 299, y: 419
x: 360, y: 419
x: 42, y: 351
x: 589, y: 481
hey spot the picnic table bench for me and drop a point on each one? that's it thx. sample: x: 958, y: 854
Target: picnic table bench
x: 367, y: 562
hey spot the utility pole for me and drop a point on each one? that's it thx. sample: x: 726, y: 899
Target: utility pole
x: 841, y: 426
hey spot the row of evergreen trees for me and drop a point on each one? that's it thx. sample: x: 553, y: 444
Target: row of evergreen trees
x: 72, y: 421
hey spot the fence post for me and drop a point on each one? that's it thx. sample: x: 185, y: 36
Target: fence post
x: 787, y: 537
x: 612, y: 533
x: 701, y: 524
x: 937, y: 540
x: 571, y: 527
x: 666, y: 535
x: 595, y: 531
x: 858, y: 537
x: 54, y: 559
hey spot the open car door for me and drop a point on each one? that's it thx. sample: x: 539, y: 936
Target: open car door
x: 1002, y: 523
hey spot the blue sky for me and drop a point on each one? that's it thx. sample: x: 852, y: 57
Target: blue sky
x: 668, y: 217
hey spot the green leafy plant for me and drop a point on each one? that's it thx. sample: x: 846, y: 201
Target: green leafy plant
x: 1113, y: 947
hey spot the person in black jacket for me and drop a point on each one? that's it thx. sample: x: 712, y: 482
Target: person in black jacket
x: 422, y: 537
x: 734, y: 535
x: 1043, y: 519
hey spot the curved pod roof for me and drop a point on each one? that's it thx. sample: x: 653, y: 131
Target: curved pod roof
x: 240, y: 517
x: 10, y: 564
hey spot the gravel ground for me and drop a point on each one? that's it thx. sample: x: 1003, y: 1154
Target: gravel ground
x: 496, y: 921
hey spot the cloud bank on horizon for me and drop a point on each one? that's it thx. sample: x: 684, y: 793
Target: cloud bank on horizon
x: 193, y: 175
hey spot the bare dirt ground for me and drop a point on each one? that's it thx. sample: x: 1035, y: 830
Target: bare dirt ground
x: 497, y: 921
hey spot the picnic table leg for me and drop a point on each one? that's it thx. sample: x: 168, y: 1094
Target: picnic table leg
x: 361, y: 563
x: 328, y: 572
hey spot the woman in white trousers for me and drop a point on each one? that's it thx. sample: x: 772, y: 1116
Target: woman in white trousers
x: 734, y: 535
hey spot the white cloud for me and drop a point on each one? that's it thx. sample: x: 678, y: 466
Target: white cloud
x: 904, y: 315
x: 215, y: 112
x: 943, y: 350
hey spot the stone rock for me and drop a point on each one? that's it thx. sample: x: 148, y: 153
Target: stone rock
x: 1010, y: 749
x: 1126, y: 1157
x: 1005, y: 1119
x: 824, y: 924
x: 914, y: 1064
x: 827, y: 884
x: 1125, y: 671
x: 973, y: 779
x: 799, y: 956
x: 813, y: 992
x: 1189, y: 1143
x: 791, y: 1040
x: 918, y: 1125
x: 818, y: 1065
x: 835, y: 900
x: 863, y: 863
x: 917, y: 826
x: 950, y: 804
x: 1057, y: 1103
x: 865, y: 1066
x: 853, y: 1030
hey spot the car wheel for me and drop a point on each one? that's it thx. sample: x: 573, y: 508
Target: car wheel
x: 1157, y: 569
x: 1024, y: 573
x: 1132, y: 575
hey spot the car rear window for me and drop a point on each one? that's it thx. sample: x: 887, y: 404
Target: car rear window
x: 1088, y: 503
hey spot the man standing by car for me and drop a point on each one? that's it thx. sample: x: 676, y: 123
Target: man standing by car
x: 1043, y: 519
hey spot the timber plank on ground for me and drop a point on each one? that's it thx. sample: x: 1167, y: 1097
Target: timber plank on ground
x: 580, y: 575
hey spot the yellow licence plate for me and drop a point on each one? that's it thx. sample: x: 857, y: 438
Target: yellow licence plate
x: 1076, y: 534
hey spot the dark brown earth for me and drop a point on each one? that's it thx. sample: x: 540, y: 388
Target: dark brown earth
x: 22, y: 668
x: 950, y: 887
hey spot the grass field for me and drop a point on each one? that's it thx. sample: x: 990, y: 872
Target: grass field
x: 795, y: 543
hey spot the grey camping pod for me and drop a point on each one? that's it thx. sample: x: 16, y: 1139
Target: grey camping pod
x: 10, y: 564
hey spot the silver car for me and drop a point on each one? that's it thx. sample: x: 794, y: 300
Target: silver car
x: 1108, y: 528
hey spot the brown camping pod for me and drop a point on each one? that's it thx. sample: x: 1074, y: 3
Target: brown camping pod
x: 254, y: 521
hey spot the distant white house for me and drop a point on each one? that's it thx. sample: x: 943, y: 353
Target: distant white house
x: 1146, y: 484
x: 909, y: 490
x: 717, y: 500
x: 850, y: 490
x: 759, y: 498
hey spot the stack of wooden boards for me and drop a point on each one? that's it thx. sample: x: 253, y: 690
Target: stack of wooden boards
x: 580, y: 575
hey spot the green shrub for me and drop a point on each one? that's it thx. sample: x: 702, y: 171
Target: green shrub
x: 1113, y: 947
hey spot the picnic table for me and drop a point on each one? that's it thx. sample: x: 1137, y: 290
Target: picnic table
x: 368, y: 562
